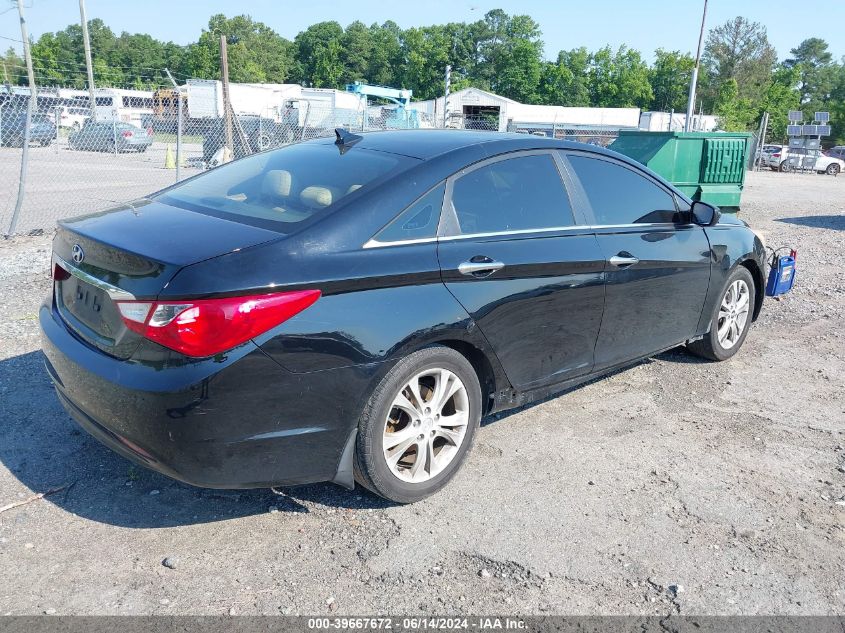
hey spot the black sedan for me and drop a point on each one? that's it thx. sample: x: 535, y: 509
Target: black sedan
x: 348, y: 309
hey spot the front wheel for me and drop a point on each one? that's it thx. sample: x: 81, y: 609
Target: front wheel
x: 418, y: 425
x: 832, y: 169
x: 731, y: 319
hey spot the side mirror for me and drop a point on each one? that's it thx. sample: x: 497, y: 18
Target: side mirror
x: 704, y: 214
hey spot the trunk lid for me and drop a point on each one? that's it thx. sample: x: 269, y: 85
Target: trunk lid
x: 130, y: 253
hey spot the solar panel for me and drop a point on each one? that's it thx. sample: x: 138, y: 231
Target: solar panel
x: 810, y: 130
x: 822, y: 117
x: 793, y: 130
x: 824, y: 130
x: 796, y: 115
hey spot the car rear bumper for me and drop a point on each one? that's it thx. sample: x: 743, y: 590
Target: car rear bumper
x: 237, y: 422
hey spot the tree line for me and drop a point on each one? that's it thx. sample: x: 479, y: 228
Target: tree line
x: 741, y: 76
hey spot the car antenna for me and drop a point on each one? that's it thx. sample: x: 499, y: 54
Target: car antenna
x: 345, y: 139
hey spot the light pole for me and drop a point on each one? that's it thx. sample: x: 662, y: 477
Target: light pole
x: 694, y: 81
x: 87, y: 44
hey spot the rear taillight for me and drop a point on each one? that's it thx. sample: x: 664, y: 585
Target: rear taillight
x: 149, y: 131
x: 127, y: 133
x: 776, y: 155
x: 205, y: 327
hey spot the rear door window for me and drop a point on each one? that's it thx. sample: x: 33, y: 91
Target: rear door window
x: 516, y: 194
x: 619, y: 195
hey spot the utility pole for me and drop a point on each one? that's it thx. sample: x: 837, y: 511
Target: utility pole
x: 227, y: 106
x: 178, y: 92
x: 694, y: 81
x: 33, y: 104
x: 87, y: 42
x: 447, y: 85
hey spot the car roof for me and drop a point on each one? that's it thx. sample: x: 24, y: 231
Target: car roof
x: 426, y: 144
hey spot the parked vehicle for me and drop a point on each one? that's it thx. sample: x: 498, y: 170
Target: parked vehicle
x: 70, y: 116
x: 110, y: 136
x: 353, y: 307
x: 789, y: 159
x: 836, y: 152
x: 13, y: 126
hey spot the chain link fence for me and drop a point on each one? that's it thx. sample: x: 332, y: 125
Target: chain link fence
x: 135, y: 143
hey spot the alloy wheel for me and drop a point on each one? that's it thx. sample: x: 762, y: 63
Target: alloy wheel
x: 733, y: 314
x: 426, y: 425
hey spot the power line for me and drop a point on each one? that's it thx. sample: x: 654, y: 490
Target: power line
x: 11, y: 39
x: 81, y: 65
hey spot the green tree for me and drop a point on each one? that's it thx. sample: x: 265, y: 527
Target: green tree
x: 426, y: 53
x: 566, y: 82
x: 257, y: 54
x: 385, y: 61
x: 357, y: 47
x: 501, y: 39
x: 813, y: 61
x: 780, y: 97
x: 670, y: 76
x: 837, y: 104
x: 12, y: 68
x: 735, y: 113
x: 519, y: 74
x: 318, y: 53
x: 738, y: 50
x: 620, y: 79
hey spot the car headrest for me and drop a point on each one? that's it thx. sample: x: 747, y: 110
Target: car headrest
x: 316, y: 197
x: 276, y: 183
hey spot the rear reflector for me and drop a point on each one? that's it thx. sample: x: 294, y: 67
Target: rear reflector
x: 205, y: 327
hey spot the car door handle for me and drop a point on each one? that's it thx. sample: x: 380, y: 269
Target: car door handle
x: 623, y: 261
x: 476, y: 268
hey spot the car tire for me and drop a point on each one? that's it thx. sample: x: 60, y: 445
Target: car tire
x: 832, y: 169
x: 393, y: 409
x: 734, y: 311
x: 785, y: 167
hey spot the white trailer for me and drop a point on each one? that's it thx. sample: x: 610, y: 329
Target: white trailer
x: 205, y: 99
x: 283, y: 103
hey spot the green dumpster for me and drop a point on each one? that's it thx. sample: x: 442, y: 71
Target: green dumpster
x: 706, y: 166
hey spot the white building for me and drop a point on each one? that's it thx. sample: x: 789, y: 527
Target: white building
x: 674, y: 122
x: 476, y: 108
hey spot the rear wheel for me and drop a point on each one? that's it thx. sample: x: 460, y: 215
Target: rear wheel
x: 731, y: 319
x: 418, y: 425
x: 785, y: 167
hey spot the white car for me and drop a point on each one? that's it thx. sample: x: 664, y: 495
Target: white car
x: 71, y: 116
x: 790, y: 159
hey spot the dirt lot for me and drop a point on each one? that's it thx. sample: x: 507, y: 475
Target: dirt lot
x: 678, y: 486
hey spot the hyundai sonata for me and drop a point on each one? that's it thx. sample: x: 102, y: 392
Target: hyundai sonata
x: 348, y: 309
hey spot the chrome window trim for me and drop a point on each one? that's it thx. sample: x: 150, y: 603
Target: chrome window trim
x: 115, y: 293
x: 572, y: 228
x: 374, y: 243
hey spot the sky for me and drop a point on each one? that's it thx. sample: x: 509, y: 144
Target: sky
x: 640, y: 24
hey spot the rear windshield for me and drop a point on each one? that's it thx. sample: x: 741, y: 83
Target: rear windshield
x: 284, y: 187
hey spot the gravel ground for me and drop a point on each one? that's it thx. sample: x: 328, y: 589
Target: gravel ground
x: 677, y: 486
